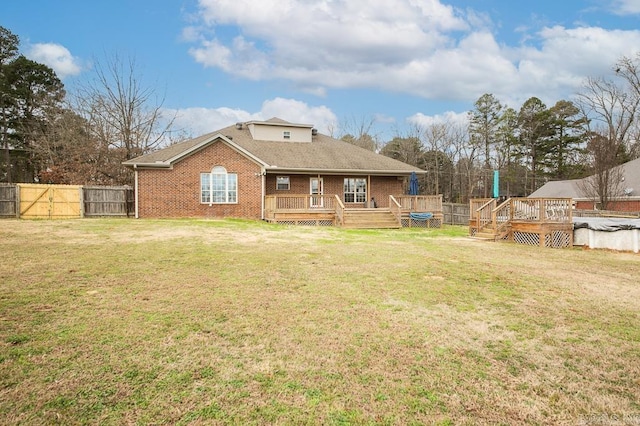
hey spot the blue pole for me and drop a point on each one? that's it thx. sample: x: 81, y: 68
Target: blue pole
x: 496, y: 184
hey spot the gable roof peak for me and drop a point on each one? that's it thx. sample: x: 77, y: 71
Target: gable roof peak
x: 277, y: 120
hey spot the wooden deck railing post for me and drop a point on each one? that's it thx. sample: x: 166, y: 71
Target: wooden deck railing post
x: 396, y: 209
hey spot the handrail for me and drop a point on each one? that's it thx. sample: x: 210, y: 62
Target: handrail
x: 484, y: 214
x: 339, y: 210
x: 396, y: 209
x: 501, y: 217
x: 485, y: 205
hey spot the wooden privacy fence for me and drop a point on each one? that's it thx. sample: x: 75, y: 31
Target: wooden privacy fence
x: 36, y: 201
x: 8, y: 200
x: 108, y: 201
x: 455, y: 214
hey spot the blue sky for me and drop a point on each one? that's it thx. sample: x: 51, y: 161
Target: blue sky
x: 332, y: 63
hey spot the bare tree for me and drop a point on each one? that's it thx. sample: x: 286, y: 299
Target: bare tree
x: 360, y: 132
x: 628, y: 69
x: 124, y: 116
x: 612, y: 106
x: 438, y: 139
x: 406, y: 147
x: 606, y: 183
x: 466, y: 158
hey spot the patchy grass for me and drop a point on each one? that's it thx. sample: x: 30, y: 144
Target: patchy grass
x: 238, y: 322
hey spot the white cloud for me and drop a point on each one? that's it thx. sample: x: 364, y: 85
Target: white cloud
x: 567, y: 56
x: 56, y: 57
x: 626, y: 7
x: 318, y: 42
x: 190, y: 34
x: 194, y: 122
x: 299, y: 112
x: 449, y: 117
x: 423, y: 48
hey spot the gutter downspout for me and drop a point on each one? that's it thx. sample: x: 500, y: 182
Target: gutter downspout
x: 135, y: 184
x: 263, y: 174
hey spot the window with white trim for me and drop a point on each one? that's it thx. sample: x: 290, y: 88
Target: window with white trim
x: 355, y: 190
x: 218, y: 187
x: 286, y: 134
x: 282, y: 183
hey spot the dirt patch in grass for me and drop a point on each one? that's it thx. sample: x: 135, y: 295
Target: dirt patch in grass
x: 236, y: 322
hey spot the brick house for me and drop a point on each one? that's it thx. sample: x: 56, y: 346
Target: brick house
x: 625, y: 193
x: 239, y: 170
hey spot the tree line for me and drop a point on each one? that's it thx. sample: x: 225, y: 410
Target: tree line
x: 49, y: 136
x: 586, y: 137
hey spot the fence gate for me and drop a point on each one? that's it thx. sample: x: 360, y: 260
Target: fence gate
x: 50, y: 201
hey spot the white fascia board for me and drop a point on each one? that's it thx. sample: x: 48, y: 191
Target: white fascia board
x: 343, y: 171
x: 212, y: 139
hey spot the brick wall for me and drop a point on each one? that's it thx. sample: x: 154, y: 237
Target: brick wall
x: 621, y: 206
x: 176, y: 192
x: 381, y: 187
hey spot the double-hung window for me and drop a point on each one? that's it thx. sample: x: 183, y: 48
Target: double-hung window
x: 355, y: 190
x: 282, y: 183
x: 218, y: 187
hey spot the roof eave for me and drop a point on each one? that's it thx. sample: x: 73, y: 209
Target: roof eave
x: 158, y: 165
x: 169, y: 162
x: 304, y: 170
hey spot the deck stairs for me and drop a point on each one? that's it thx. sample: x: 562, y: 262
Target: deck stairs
x: 489, y: 232
x: 370, y: 219
x: 492, y: 222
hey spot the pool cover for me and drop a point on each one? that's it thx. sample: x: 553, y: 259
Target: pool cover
x: 607, y: 224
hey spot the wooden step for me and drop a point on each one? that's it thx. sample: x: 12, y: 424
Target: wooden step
x: 489, y: 236
x: 370, y: 219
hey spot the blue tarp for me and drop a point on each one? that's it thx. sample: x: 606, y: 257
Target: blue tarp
x: 420, y: 216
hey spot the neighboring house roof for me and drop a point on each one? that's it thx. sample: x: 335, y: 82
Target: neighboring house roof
x: 573, y: 188
x: 559, y: 189
x: 323, y: 154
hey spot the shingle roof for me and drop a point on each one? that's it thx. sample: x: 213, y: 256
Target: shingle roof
x: 572, y: 189
x: 323, y: 153
x: 559, y: 189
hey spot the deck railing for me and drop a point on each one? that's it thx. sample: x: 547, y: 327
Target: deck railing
x: 542, y: 209
x: 421, y: 203
x: 303, y: 203
x: 297, y: 205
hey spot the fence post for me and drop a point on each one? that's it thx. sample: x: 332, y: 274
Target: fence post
x: 81, y: 196
x: 17, y: 201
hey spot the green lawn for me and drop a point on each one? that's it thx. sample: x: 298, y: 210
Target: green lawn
x: 240, y: 322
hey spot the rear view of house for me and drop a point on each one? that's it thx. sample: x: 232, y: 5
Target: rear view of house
x: 238, y: 171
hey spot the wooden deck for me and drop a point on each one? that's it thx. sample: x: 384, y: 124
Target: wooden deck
x: 329, y: 210
x: 544, y: 222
